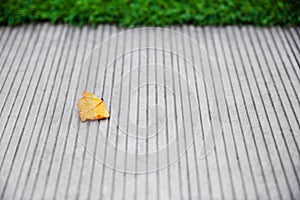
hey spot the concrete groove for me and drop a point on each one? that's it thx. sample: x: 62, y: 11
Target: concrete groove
x: 35, y: 121
x: 18, y: 115
x: 229, y: 125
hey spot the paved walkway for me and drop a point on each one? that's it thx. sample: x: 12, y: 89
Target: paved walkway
x: 212, y: 113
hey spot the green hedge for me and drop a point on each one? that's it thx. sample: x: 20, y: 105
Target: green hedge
x: 152, y: 13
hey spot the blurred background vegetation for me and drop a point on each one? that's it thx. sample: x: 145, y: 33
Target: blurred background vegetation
x: 151, y: 12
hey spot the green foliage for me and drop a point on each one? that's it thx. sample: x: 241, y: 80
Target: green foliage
x: 151, y: 12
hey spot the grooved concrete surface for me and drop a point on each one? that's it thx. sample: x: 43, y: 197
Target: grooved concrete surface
x: 210, y: 114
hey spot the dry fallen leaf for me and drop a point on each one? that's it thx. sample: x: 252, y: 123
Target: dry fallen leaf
x: 91, y: 107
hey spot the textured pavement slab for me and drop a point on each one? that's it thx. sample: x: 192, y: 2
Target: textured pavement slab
x: 196, y: 113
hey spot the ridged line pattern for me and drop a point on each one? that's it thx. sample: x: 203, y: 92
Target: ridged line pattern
x: 46, y: 152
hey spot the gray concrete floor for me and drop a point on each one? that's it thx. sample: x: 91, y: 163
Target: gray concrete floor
x: 212, y: 113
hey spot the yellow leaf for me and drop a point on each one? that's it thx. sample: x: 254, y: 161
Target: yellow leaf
x: 91, y: 107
